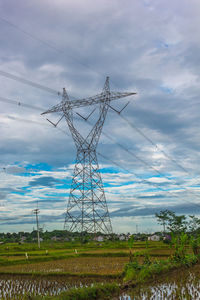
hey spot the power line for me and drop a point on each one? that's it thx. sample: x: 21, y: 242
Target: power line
x: 87, y: 66
x: 126, y: 120
x: 53, y: 91
x: 30, y: 34
x: 66, y: 133
x: 144, y: 181
x: 122, y: 168
x: 105, y: 134
x: 19, y: 103
x: 29, y: 82
x: 50, y: 45
x: 154, y: 144
x: 136, y: 156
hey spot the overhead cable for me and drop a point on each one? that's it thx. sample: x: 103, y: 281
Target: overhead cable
x: 29, y: 82
x: 154, y: 144
x: 87, y: 66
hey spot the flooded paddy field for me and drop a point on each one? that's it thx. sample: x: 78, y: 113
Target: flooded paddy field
x: 179, y: 284
x: 16, y: 286
x: 84, y: 265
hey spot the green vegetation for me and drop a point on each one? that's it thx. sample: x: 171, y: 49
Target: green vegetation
x: 178, y: 224
x: 129, y: 262
x: 98, y: 291
x: 137, y: 273
x: 170, y: 285
x: 181, y: 244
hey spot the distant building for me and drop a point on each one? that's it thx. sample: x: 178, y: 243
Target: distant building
x: 122, y: 237
x: 154, y: 238
x: 35, y: 239
x: 99, y: 238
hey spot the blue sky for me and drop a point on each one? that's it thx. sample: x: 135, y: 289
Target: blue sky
x: 149, y: 157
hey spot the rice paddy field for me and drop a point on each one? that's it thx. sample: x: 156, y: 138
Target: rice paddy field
x: 179, y: 284
x: 26, y: 270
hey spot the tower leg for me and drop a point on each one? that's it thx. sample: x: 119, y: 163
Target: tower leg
x: 87, y: 208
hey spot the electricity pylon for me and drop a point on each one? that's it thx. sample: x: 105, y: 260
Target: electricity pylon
x: 87, y: 208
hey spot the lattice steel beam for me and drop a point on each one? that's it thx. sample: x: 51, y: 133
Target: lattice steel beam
x: 87, y: 208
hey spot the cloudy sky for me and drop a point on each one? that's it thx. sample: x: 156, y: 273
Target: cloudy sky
x: 149, y: 155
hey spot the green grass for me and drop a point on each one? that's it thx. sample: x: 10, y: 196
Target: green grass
x: 13, y: 255
x: 65, y: 250
x: 138, y: 273
x: 15, y: 247
x: 98, y: 291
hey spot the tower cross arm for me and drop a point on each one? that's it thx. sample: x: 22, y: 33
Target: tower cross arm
x: 118, y: 95
x: 99, y: 98
x: 55, y: 108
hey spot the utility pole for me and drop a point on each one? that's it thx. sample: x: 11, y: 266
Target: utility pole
x: 36, y: 212
x: 87, y: 209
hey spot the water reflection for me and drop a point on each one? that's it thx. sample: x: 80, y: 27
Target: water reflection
x: 15, y: 286
x: 186, y: 286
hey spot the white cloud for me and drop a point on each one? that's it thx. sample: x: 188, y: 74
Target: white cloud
x: 148, y: 46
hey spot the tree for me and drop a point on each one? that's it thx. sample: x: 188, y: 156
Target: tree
x: 163, y: 217
x: 194, y: 224
x: 177, y: 224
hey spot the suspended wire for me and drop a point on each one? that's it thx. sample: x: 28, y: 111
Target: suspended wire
x: 105, y: 134
x: 14, y: 218
x: 126, y: 120
x: 53, y: 91
x: 30, y: 35
x: 87, y: 66
x: 135, y: 156
x: 36, y: 122
x: 66, y: 133
x: 141, y: 180
x: 31, y: 216
x: 19, y: 103
x: 108, y: 136
x: 145, y: 163
x: 6, y: 170
x: 154, y: 144
x: 50, y: 45
x: 29, y: 82
x: 146, y: 181
x: 58, y: 93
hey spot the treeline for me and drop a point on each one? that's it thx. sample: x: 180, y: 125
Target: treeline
x: 23, y: 236
x: 54, y: 236
x: 176, y: 224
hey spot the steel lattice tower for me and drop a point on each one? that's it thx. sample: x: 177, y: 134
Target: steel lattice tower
x: 87, y: 208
